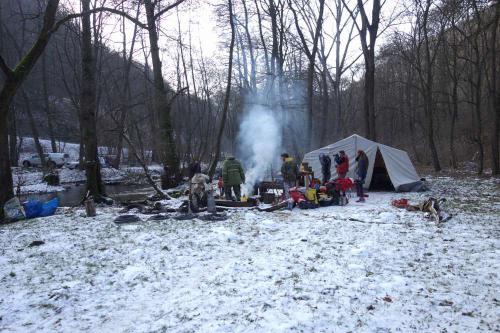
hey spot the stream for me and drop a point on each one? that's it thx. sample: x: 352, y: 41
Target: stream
x: 72, y: 196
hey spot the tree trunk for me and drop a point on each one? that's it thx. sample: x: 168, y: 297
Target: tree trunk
x: 225, y: 111
x: 495, y: 95
x: 14, y: 153
x: 162, y: 107
x: 310, y: 107
x: 34, y: 131
x: 14, y: 79
x: 369, y: 98
x: 479, y: 121
x: 88, y: 109
x: 46, y: 102
x: 454, y: 117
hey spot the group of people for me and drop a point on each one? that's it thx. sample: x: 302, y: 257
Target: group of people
x: 342, y: 167
x: 233, y: 175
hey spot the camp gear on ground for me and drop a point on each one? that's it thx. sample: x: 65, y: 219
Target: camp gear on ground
x: 431, y: 206
x: 310, y: 195
x: 296, y: 196
x: 308, y: 205
x: 289, y: 170
x: 268, y: 198
x: 232, y: 172
x: 13, y: 211
x: 32, y: 208
x: 37, y: 208
x: 344, y: 184
x: 396, y: 162
x: 400, y: 203
x: 49, y: 207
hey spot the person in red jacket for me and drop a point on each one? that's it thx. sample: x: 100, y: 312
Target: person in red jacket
x: 342, y: 162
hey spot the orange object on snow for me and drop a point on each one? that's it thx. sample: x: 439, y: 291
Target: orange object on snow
x: 400, y: 203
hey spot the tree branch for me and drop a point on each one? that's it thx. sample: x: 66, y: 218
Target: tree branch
x: 169, y: 7
x: 5, y: 68
x: 97, y: 10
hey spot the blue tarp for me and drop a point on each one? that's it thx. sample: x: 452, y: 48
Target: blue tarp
x: 36, y: 208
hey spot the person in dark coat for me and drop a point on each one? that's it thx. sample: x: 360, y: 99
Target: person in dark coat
x: 342, y: 162
x: 326, y: 164
x: 232, y: 177
x: 361, y: 171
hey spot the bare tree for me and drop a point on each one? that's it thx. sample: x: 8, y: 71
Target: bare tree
x: 310, y: 52
x: 160, y: 103
x: 368, y: 33
x: 225, y: 111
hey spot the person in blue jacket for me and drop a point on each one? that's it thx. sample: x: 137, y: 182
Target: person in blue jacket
x: 361, y: 171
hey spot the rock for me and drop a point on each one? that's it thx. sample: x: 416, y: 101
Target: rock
x: 127, y: 218
x: 36, y: 243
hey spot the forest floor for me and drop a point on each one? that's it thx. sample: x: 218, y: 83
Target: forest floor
x: 359, y: 268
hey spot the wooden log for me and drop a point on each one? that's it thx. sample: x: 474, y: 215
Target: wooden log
x: 229, y: 203
x: 279, y: 206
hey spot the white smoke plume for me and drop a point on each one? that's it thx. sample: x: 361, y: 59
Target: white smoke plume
x: 259, y: 140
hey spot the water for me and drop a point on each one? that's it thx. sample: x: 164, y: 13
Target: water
x: 73, y: 196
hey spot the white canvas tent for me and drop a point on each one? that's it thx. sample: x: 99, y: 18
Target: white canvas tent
x: 388, y: 166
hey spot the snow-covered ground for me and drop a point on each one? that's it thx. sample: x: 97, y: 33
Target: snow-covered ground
x: 360, y: 268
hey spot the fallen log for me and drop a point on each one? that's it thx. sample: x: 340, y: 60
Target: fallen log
x: 276, y: 207
x: 229, y: 203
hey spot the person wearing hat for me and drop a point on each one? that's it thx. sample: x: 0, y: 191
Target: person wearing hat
x: 361, y: 171
x: 342, y: 162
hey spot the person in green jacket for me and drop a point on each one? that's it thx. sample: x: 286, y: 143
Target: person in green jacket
x: 232, y: 177
x: 290, y: 172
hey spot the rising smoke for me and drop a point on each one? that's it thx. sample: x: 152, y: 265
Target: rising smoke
x: 260, y: 142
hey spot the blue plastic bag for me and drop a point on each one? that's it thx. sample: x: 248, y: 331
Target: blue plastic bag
x: 32, y: 208
x: 49, y: 208
x: 37, y: 208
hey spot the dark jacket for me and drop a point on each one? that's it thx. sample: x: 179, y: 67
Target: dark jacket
x: 362, y: 167
x: 232, y: 172
x: 326, y: 164
x: 289, y: 170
